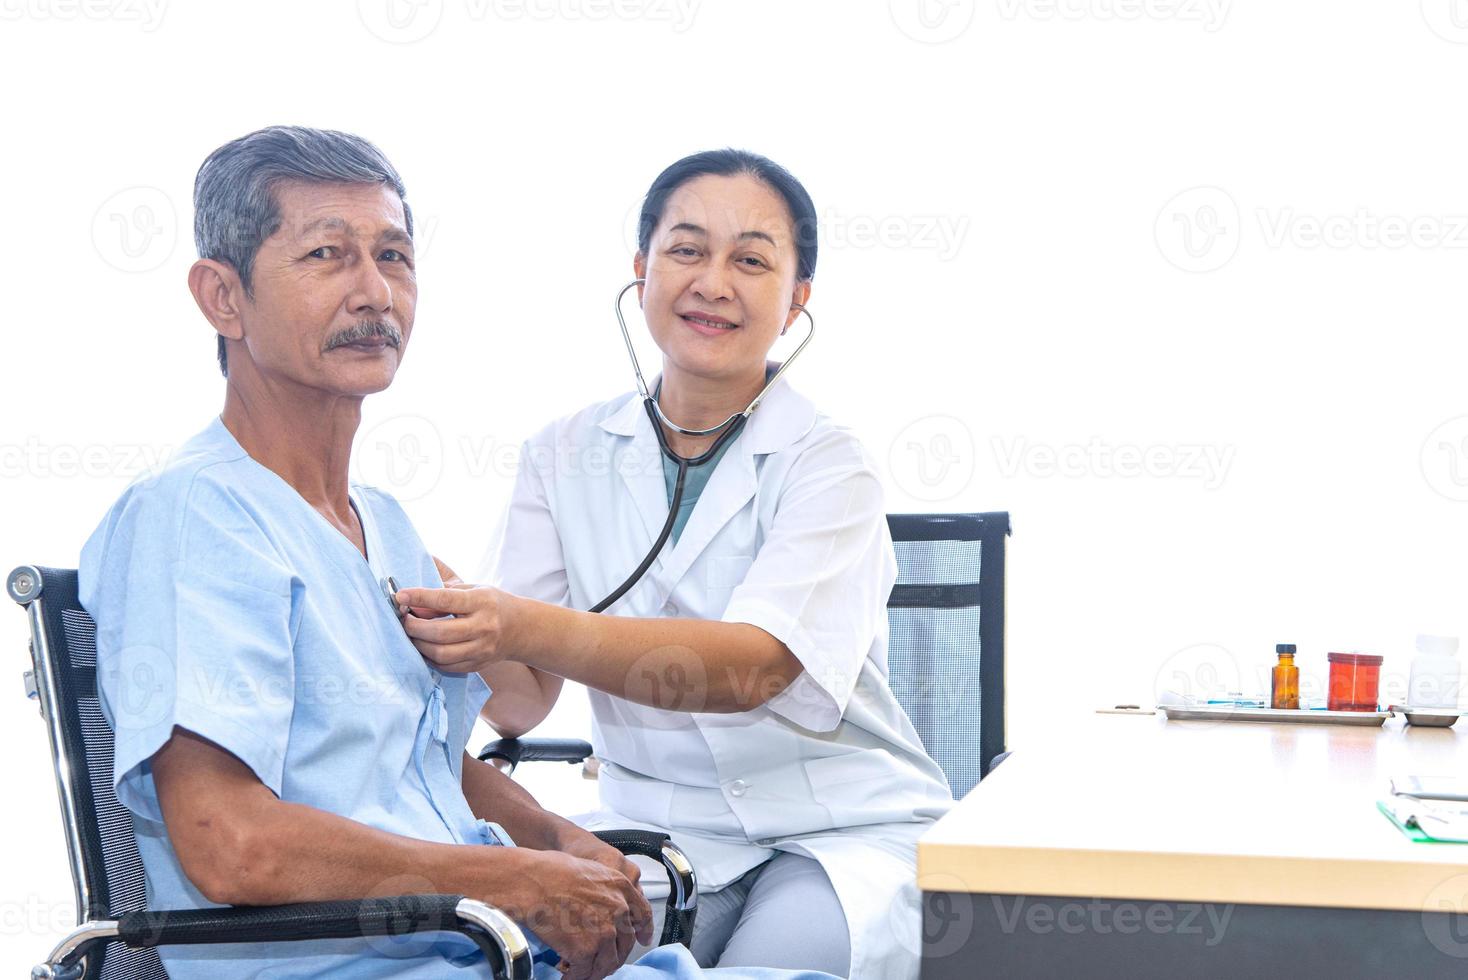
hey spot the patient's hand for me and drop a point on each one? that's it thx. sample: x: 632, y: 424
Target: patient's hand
x: 584, y: 844
x: 457, y: 629
x: 588, y: 914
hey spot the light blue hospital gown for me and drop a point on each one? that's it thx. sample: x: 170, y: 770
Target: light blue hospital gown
x: 226, y: 605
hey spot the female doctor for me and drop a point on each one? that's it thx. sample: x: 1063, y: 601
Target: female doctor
x: 738, y: 690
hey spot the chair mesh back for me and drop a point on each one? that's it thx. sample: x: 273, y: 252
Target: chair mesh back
x: 946, y: 649
x: 110, y: 861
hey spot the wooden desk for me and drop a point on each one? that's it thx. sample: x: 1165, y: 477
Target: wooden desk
x: 1136, y: 846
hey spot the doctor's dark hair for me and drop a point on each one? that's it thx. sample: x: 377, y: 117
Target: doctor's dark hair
x: 728, y: 163
x: 234, y: 201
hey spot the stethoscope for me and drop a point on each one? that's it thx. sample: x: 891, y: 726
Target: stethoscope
x: 727, y: 430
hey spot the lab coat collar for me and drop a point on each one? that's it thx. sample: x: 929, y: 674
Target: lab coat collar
x: 782, y: 418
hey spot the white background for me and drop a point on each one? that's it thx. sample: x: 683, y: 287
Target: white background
x: 1060, y: 239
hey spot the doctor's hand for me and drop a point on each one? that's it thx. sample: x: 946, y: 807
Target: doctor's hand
x: 451, y: 580
x: 457, y: 629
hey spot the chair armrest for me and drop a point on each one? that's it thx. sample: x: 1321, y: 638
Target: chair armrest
x: 682, y: 907
x: 507, y: 753
x: 502, y: 941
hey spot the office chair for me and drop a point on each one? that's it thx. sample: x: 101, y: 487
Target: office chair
x: 945, y: 651
x: 118, y: 936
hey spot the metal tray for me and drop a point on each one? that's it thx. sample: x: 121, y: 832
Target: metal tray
x: 1297, y: 716
x: 1428, y: 717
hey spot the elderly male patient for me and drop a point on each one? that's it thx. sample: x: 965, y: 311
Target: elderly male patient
x: 278, y: 737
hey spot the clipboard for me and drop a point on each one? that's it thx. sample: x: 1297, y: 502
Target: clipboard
x: 1420, y: 824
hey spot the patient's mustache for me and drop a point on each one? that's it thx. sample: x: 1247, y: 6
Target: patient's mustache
x: 366, y: 330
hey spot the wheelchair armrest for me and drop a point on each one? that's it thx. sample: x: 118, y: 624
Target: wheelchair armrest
x: 682, y: 907
x: 502, y: 941
x: 507, y: 753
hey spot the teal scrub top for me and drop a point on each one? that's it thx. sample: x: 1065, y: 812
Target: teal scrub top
x: 693, y: 484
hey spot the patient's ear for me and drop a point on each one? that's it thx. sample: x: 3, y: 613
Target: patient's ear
x: 218, y: 292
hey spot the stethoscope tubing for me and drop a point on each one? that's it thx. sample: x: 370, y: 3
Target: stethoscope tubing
x: 727, y: 430
x: 683, y: 464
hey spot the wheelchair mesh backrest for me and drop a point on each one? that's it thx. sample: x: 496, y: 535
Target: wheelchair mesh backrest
x: 946, y: 650
x: 110, y: 860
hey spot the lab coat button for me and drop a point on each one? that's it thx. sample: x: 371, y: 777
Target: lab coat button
x: 737, y: 787
x: 766, y: 842
x: 671, y: 609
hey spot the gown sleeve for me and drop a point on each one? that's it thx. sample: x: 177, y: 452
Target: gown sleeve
x: 195, y: 624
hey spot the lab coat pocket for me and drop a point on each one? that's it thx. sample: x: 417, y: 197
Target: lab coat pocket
x: 727, y: 571
x: 641, y: 799
x: 863, y: 787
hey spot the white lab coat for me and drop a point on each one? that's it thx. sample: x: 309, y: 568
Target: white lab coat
x: 789, y: 535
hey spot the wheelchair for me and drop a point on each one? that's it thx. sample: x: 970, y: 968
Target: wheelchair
x: 946, y: 617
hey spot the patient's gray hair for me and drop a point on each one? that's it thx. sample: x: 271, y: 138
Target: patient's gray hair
x: 234, y: 205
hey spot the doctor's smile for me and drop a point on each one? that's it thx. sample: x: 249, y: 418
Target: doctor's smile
x: 708, y: 323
